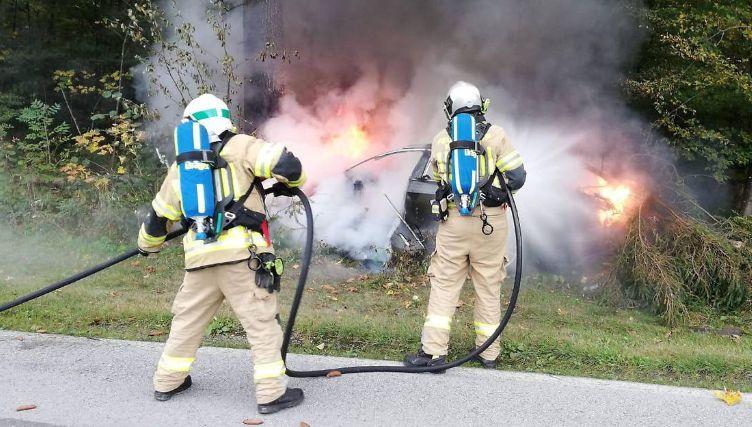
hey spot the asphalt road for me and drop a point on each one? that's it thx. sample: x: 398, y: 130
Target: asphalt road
x: 80, y: 381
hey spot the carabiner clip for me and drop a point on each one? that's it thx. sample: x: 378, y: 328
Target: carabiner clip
x: 486, y: 228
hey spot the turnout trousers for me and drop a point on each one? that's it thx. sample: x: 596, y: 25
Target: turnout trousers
x: 196, y: 303
x: 463, y: 250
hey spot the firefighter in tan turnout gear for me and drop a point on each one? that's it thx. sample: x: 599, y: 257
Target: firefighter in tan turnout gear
x: 471, y: 238
x: 228, y: 267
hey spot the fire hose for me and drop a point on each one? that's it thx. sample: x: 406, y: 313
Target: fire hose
x: 299, y: 291
x: 82, y: 275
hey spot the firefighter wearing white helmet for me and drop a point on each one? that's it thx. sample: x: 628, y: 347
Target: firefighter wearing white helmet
x: 464, y: 245
x: 212, y: 113
x: 236, y: 265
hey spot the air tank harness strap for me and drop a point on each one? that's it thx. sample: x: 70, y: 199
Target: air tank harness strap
x: 237, y: 214
x: 209, y: 157
x: 468, y: 145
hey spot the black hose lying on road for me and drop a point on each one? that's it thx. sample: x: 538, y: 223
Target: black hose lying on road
x: 305, y: 266
x: 306, y: 263
x: 82, y: 275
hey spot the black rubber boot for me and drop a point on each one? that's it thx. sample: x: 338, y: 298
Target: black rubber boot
x: 167, y: 395
x: 487, y: 364
x: 292, y: 397
x: 422, y: 358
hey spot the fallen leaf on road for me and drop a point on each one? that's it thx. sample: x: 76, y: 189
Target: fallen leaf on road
x: 156, y: 333
x: 304, y: 424
x: 321, y: 346
x: 41, y: 331
x: 729, y: 396
x: 26, y: 408
x: 296, y: 266
x: 19, y: 338
x: 253, y: 421
x: 332, y: 374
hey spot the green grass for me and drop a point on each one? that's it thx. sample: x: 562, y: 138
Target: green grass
x: 553, y: 330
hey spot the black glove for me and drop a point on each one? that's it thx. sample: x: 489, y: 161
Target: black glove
x: 280, y: 189
x: 268, y: 270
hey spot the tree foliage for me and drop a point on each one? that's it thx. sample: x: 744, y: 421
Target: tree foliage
x: 695, y: 80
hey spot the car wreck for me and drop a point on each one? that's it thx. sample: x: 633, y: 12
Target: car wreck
x: 414, y: 226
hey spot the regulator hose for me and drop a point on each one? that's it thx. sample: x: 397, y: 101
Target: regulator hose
x: 82, y: 275
x: 305, y: 265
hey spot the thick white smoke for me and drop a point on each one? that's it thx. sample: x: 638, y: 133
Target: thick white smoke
x: 551, y: 68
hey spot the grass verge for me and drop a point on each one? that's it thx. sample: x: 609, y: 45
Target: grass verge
x: 347, y: 313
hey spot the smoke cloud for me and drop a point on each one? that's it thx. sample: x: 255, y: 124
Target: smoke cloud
x: 382, y: 69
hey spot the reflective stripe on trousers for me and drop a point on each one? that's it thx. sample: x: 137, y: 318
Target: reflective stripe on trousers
x: 440, y: 322
x: 264, y: 371
x: 485, y: 329
x: 176, y: 364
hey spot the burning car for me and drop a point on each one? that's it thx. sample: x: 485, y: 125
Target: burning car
x: 414, y: 226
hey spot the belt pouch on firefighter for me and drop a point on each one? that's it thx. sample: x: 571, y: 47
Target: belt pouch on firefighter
x: 268, y: 270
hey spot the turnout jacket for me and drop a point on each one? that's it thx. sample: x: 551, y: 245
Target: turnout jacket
x: 499, y: 154
x: 248, y: 158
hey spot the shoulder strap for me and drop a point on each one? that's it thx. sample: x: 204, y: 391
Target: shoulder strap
x: 225, y: 137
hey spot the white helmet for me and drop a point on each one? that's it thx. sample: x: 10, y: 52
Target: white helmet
x: 212, y: 113
x: 464, y: 97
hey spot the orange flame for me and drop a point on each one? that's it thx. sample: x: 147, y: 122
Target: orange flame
x: 353, y: 142
x: 616, y: 197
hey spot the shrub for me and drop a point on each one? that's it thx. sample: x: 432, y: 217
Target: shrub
x: 673, y: 263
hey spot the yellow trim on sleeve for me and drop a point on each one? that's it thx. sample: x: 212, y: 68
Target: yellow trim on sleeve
x: 150, y: 240
x: 267, y: 158
x: 298, y: 182
x: 509, y: 161
x: 165, y: 210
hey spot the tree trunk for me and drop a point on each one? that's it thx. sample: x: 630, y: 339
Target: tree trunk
x: 262, y: 25
x: 15, y: 12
